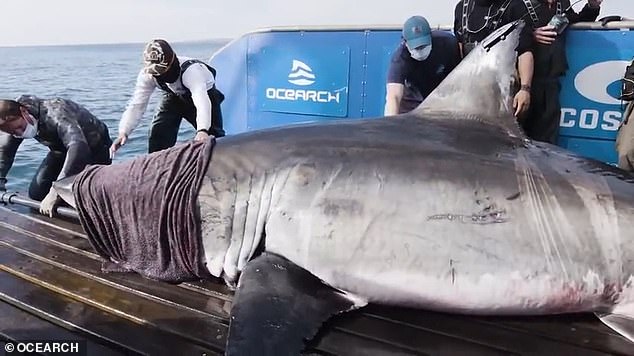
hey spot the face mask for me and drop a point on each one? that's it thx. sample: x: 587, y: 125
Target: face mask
x: 420, y: 54
x: 30, y: 130
x: 172, y: 73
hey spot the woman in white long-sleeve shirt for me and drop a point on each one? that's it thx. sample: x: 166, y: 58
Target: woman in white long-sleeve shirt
x: 189, y: 92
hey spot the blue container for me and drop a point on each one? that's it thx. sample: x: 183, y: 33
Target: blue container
x: 285, y: 76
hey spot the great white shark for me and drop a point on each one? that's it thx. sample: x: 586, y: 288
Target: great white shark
x: 449, y: 207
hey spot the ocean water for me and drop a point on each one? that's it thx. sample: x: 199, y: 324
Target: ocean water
x: 99, y: 77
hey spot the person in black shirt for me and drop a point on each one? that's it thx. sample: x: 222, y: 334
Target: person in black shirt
x: 74, y: 136
x: 541, y: 122
x: 422, y: 60
x: 476, y: 19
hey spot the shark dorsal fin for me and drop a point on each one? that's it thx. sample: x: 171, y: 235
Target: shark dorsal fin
x: 480, y: 87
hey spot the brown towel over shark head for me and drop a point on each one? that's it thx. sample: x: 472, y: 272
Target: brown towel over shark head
x: 151, y: 205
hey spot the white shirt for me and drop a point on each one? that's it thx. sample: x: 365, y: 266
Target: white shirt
x: 197, y: 78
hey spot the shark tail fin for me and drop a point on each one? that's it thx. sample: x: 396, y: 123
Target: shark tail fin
x: 621, y: 320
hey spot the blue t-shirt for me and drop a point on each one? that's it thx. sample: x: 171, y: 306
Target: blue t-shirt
x: 420, y: 78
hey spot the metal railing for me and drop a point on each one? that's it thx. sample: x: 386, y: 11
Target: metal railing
x: 16, y: 199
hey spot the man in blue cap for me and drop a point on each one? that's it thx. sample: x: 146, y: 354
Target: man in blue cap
x: 421, y: 61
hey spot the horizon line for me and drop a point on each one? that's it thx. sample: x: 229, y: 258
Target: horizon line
x: 221, y: 39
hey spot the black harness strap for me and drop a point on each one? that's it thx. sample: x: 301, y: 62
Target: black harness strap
x: 184, y: 67
x: 531, y: 10
x: 494, y: 19
x: 533, y: 14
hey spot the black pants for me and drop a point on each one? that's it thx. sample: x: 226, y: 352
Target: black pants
x: 541, y: 122
x: 52, y: 165
x: 173, y: 108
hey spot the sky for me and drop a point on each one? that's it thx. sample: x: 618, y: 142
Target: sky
x: 52, y: 22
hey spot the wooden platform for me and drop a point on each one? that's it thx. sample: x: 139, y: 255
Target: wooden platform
x: 51, y: 287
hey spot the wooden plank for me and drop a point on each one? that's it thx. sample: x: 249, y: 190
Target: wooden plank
x: 190, y: 324
x: 73, y: 314
x: 18, y: 224
x: 415, y: 339
x: 340, y: 343
x: 591, y: 325
x: 131, y: 282
x: 584, y: 330
x: 129, y: 306
x: 79, y: 243
x: 18, y: 325
x: 67, y: 224
x: 485, y: 331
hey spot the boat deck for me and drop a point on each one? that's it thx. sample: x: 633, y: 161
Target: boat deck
x: 52, y: 288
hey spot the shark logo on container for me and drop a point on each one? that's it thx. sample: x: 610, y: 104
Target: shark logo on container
x: 599, y: 83
x: 302, y: 75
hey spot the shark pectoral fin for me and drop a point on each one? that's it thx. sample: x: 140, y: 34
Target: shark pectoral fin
x: 279, y: 305
x: 621, y: 320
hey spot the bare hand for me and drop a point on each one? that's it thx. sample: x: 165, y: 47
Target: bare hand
x: 595, y: 3
x: 120, y: 141
x: 545, y: 35
x: 48, y: 204
x: 201, y: 136
x: 521, y: 101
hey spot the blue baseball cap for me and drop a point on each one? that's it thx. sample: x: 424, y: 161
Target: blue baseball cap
x: 416, y: 32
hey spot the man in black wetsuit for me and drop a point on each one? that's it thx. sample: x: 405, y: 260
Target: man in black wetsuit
x: 74, y: 136
x: 476, y: 19
x: 541, y: 122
